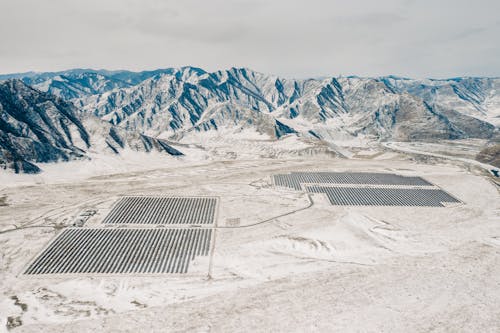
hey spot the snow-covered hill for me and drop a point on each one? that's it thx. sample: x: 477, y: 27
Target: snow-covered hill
x: 178, y: 101
x: 40, y: 127
x: 476, y: 97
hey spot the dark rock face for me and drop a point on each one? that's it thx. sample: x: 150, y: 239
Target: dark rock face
x: 40, y: 127
x: 490, y: 155
x: 281, y: 129
x: 37, y: 127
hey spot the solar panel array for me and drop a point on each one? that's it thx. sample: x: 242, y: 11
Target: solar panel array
x: 112, y: 251
x: 295, y: 179
x: 359, y: 196
x: 367, y: 188
x: 163, y: 210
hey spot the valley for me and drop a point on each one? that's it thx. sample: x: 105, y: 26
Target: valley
x: 403, y: 256
x: 271, y: 244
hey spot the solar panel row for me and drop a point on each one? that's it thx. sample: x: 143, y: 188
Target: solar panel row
x: 109, y: 251
x: 163, y: 210
x: 352, y: 196
x: 295, y: 179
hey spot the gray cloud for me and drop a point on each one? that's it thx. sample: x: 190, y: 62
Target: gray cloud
x: 291, y: 38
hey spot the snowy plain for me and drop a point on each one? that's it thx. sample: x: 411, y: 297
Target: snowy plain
x: 290, y: 263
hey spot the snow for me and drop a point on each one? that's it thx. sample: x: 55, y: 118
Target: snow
x: 408, y: 147
x: 343, y: 110
x: 321, y: 268
x: 291, y: 261
x: 97, y: 165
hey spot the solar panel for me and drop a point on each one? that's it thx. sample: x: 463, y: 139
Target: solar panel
x: 367, y: 196
x: 163, y: 210
x: 122, y: 251
x: 295, y: 179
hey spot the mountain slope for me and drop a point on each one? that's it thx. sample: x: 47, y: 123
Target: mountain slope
x: 176, y: 102
x: 187, y: 100
x: 40, y: 127
x: 490, y: 155
x: 36, y: 127
x: 78, y: 85
x: 476, y: 97
x: 75, y: 83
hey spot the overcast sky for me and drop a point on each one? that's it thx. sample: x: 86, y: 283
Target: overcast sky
x: 415, y: 38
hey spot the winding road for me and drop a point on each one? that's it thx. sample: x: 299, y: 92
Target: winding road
x: 397, y: 146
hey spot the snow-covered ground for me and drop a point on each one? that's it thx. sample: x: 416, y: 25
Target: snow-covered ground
x: 320, y: 268
x: 449, y: 151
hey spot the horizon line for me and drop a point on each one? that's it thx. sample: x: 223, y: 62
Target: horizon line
x: 93, y: 70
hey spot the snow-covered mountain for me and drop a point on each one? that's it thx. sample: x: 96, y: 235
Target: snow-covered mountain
x: 77, y: 83
x: 177, y: 102
x: 40, y: 127
x: 476, y: 97
x: 174, y: 102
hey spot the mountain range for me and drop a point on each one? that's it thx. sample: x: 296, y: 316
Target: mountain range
x: 63, y: 115
x: 37, y: 127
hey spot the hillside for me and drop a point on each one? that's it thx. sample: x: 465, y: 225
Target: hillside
x: 38, y: 127
x: 178, y: 101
